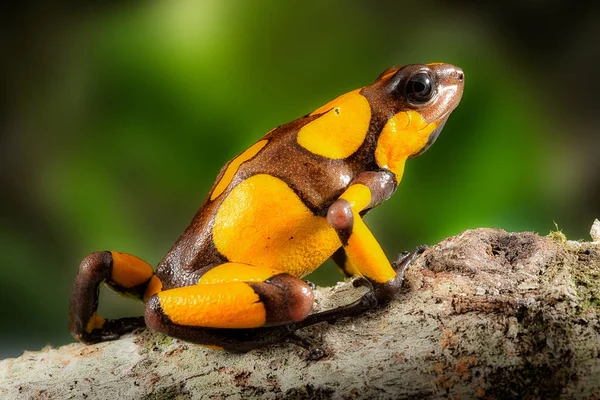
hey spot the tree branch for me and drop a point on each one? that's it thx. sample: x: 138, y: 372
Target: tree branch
x: 485, y: 314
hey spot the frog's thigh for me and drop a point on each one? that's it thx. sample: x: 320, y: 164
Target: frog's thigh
x: 232, y: 295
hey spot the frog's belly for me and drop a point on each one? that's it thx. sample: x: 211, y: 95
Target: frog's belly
x: 263, y: 222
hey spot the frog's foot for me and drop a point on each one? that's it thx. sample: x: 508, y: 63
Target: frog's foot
x: 111, y: 329
x: 367, y: 302
x: 376, y: 296
x: 315, y: 353
x: 405, y: 259
x: 311, y: 285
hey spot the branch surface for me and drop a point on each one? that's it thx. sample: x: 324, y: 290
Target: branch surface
x: 485, y: 314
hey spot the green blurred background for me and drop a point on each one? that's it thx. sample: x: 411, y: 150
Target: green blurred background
x: 117, y: 118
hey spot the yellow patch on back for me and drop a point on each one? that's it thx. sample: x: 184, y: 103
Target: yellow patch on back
x: 234, y: 165
x: 403, y: 135
x: 237, y: 272
x: 262, y: 222
x: 341, y: 130
x: 222, y: 305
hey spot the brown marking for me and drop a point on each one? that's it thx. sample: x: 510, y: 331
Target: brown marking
x: 286, y: 298
x: 382, y: 185
x: 341, y: 219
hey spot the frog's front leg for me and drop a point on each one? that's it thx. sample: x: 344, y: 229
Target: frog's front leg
x: 362, y: 254
x: 123, y: 273
x: 233, y: 306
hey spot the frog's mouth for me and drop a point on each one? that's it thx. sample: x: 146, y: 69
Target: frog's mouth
x: 432, y: 138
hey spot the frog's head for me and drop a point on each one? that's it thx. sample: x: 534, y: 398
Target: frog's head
x: 415, y: 102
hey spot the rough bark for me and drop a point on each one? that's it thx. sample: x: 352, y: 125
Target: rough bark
x: 485, y: 314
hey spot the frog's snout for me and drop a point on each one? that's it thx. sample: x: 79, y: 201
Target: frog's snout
x: 460, y: 75
x: 455, y: 73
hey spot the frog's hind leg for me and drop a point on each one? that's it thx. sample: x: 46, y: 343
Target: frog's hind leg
x: 123, y: 273
x: 233, y: 306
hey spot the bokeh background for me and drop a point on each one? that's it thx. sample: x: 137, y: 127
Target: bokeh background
x: 116, y: 118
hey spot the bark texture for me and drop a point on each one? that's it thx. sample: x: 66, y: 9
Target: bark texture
x: 485, y: 314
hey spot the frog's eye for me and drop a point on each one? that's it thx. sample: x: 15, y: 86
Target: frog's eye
x: 419, y: 88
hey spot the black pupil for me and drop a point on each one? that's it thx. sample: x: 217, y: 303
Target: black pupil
x: 419, y: 88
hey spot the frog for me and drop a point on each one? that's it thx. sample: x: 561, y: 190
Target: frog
x: 276, y: 212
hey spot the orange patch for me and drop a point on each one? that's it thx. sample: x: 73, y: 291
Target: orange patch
x: 402, y: 136
x: 154, y: 286
x: 358, y: 195
x: 234, y: 165
x: 342, y: 128
x: 222, y: 305
x: 263, y: 222
x: 365, y: 254
x: 129, y: 271
x: 95, y: 322
x: 351, y: 269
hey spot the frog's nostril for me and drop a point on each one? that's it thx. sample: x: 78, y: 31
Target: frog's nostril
x: 460, y: 76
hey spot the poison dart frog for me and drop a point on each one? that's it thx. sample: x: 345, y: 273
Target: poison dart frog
x: 276, y: 212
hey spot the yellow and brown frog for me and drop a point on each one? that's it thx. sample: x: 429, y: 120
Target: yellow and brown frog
x: 276, y: 212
